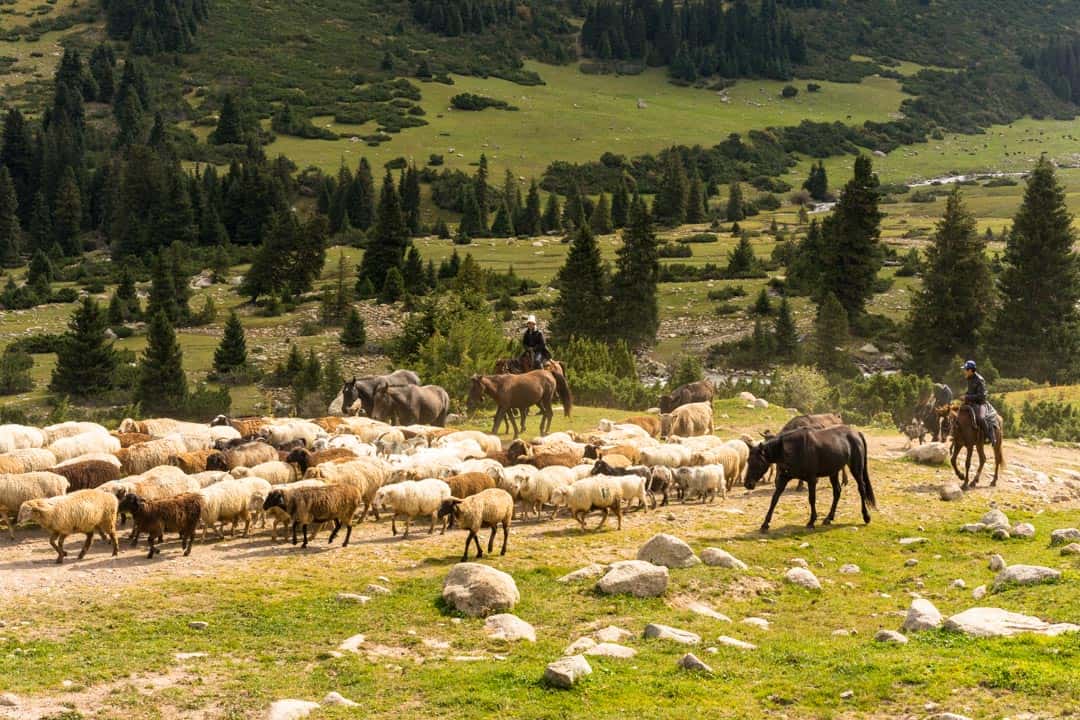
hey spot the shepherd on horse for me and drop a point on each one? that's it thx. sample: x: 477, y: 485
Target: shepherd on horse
x: 974, y: 423
x: 535, y: 356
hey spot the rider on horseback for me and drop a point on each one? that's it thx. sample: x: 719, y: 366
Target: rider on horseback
x: 976, y: 397
x: 535, y: 345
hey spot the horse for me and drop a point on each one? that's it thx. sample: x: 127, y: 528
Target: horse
x: 519, y: 392
x: 807, y: 454
x: 700, y: 391
x: 524, y: 363
x: 967, y: 434
x: 411, y: 405
x: 365, y: 389
x: 819, y: 421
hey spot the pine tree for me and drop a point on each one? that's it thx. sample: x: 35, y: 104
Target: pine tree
x: 483, y: 199
x: 85, y: 361
x: 127, y: 296
x: 294, y: 363
x: 670, y: 203
x: 952, y: 307
x: 634, y: 310
x: 332, y: 380
x: 851, y: 254
x: 67, y: 214
x: 503, y: 225
x: 393, y: 288
x: 735, y: 204
x: 342, y: 296
x: 761, y: 344
x: 600, y: 222
x: 551, y: 219
x: 162, y: 385
x: 413, y: 272
x: 441, y: 230
x: 762, y: 304
x: 804, y: 270
x: 361, y: 197
x: 410, y: 198
x: 512, y: 195
x: 817, y: 184
x: 177, y: 262
x: 115, y: 313
x: 162, y: 289
x: 230, y: 125
x: 580, y: 310
x: 620, y: 204
x: 9, y: 221
x: 531, y: 216
x: 695, y: 198
x: 386, y: 247
x: 40, y: 224
x: 741, y: 261
x: 231, y: 353
x: 573, y: 215
x: 40, y: 275
x: 831, y: 335
x: 1037, y: 331
x: 786, y: 336
x: 471, y: 224
x: 354, y: 335
x: 18, y: 156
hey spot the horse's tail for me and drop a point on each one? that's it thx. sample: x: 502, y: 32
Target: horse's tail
x: 563, y: 388
x: 863, y: 475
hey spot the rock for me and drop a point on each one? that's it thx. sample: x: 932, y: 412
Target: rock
x: 922, y: 615
x: 1000, y: 533
x: 612, y: 650
x: 869, y: 349
x: 947, y: 716
x: 478, y: 590
x: 377, y: 589
x: 735, y: 643
x: 850, y: 569
x: 1064, y: 535
x: 333, y: 698
x: 666, y: 632
x: 759, y: 623
x: 803, y: 578
x: 973, y: 527
x: 579, y: 646
x: 933, y: 453
x: 702, y: 609
x: 1071, y: 549
x: 634, y: 577
x: 566, y: 672
x: 1023, y: 530
x: 181, y: 656
x: 715, y: 557
x: 690, y: 661
x: 911, y: 562
x: 612, y: 634
x: 747, y: 397
x: 951, y: 491
x: 1025, y: 575
x: 997, y: 563
x: 995, y: 622
x: 509, y: 627
x: 761, y: 403
x: 352, y: 644
x: 847, y: 694
x: 798, y: 562
x: 958, y: 584
x: 979, y: 593
x: 198, y: 625
x: 353, y: 598
x: 995, y: 517
x: 669, y: 551
x: 890, y: 636
x: 291, y: 709
x: 9, y: 700
x: 585, y: 573
x: 913, y: 540
x: 845, y: 632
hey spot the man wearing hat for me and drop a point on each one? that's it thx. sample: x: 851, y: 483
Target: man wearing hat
x: 534, y: 344
x: 976, y: 397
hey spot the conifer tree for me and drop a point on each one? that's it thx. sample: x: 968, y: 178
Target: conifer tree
x: 18, y: 156
x: 471, y: 223
x: 735, y: 204
x: 413, y: 272
x: 162, y: 289
x: 85, y: 361
x: 9, y: 221
x: 669, y: 205
x: 115, y: 313
x: 600, y: 222
x: 342, y: 296
x: 410, y: 198
x: 483, y: 199
x: 580, y: 310
x: 634, y: 309
x: 552, y: 218
x: 354, y: 335
x: 177, y: 262
x: 531, y: 215
x: 741, y: 261
x: 361, y: 197
x: 230, y: 125
x: 67, y: 214
x: 573, y: 215
x: 851, y: 254
x: 761, y: 344
x: 695, y: 198
x: 40, y: 275
x: 162, y: 386
x: 393, y: 288
x: 40, y: 224
x: 127, y: 296
x: 817, y: 184
x: 231, y: 353
x: 786, y: 336
x: 620, y: 204
x: 332, y: 380
x: 503, y: 225
x: 386, y: 247
x: 804, y: 270
x: 831, y: 335
x: 762, y: 304
x: 512, y: 195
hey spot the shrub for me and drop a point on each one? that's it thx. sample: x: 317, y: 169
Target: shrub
x: 435, y: 160
x: 768, y: 202
x: 474, y: 102
x: 688, y: 370
x: 789, y: 91
x: 15, y: 367
x: 674, y: 250
x: 863, y: 398
x: 801, y: 387
x: 699, y: 238
x: 729, y: 292
x: 812, y: 87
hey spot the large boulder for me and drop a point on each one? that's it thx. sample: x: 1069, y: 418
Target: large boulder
x: 666, y: 632
x: 995, y: 518
x: 586, y: 573
x: 922, y: 615
x: 291, y: 709
x: 1025, y: 575
x: 803, y: 578
x: 669, y: 551
x: 951, y: 491
x: 478, y: 590
x: 1064, y: 536
x: 1023, y: 530
x: 995, y: 622
x: 934, y: 453
x: 565, y: 672
x: 721, y: 558
x: 634, y: 577
x: 509, y: 627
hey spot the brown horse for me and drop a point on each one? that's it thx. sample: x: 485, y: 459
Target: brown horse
x: 967, y: 434
x: 524, y: 364
x: 519, y: 392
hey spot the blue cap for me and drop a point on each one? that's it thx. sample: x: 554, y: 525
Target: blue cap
x: 969, y: 365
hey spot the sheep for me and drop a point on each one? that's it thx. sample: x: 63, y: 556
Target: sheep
x: 317, y: 505
x: 160, y: 427
x: 275, y: 472
x: 705, y: 481
x: 634, y: 487
x: 20, y: 437
x: 598, y: 492
x: 488, y: 443
x: 630, y: 452
x: 365, y: 474
x: 513, y: 454
x: 88, y: 474
x: 330, y: 423
x: 411, y: 499
x: 365, y: 432
x: 563, y: 459
x: 157, y: 483
x: 661, y: 480
x: 669, y: 455
x: 726, y: 455
x: 483, y: 465
x: 230, y: 501
x: 88, y: 457
x: 278, y: 434
x: 345, y: 442
x: 467, y: 484
x: 206, y: 478
x: 248, y: 454
x: 688, y: 420
x: 67, y: 448
x: 137, y: 459
x: 427, y: 463
x: 18, y: 489
x: 131, y: 438
x: 742, y: 449
x: 83, y: 511
x: 648, y: 423
x: 27, y: 460
x: 246, y: 427
x: 391, y: 442
x: 277, y: 513
x: 514, y: 477
x: 191, y: 462
x: 69, y: 429
x: 179, y: 514
x: 537, y: 491
x: 305, y: 459
x: 487, y: 509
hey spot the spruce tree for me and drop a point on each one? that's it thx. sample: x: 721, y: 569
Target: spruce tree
x: 503, y: 225
x: 332, y: 380
x: 669, y: 205
x: 354, y: 335
x: 231, y: 352
x: 786, y: 336
x: 127, y: 296
x: 634, y: 310
x: 40, y: 275
x: 393, y: 288
x: 386, y: 247
x: 1037, y: 331
x: 804, y: 270
x: 762, y: 304
x: 551, y: 220
x: 177, y: 262
x: 413, y: 272
x: 817, y: 184
x: 620, y: 204
x: 342, y: 295
x: 162, y: 289
x: 580, y: 310
x: 67, y: 214
x: 85, y: 361
x: 161, y: 387
x: 230, y: 125
x: 9, y: 221
x: 573, y: 215
x: 410, y: 198
x: 951, y: 309
x: 531, y: 215
x: 441, y: 230
x: 361, y: 197
x: 735, y: 203
x: 17, y: 154
x: 115, y: 313
x: 831, y: 335
x: 40, y: 224
x: 851, y: 254
x: 600, y: 222
x: 483, y: 194
x: 761, y: 344
x: 512, y: 195
x: 741, y: 261
x: 695, y: 198
x: 471, y: 223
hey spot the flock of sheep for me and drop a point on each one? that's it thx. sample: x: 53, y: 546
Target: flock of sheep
x: 170, y: 476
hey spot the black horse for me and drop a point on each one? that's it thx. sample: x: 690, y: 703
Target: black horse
x: 365, y: 389
x: 807, y: 454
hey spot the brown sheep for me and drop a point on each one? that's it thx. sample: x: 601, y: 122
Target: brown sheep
x: 248, y: 427
x: 616, y: 461
x: 466, y: 484
x: 246, y: 455
x: 305, y: 459
x: 315, y: 505
x: 127, y: 439
x: 176, y: 514
x: 563, y: 459
x: 329, y: 423
x: 191, y: 462
x: 630, y: 452
x: 648, y: 423
x: 88, y: 474
x: 513, y: 454
x: 488, y: 509
x: 10, y: 466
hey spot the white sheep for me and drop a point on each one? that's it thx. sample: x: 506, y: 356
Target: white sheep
x: 668, y: 455
x: 20, y: 437
x: 536, y: 491
x: 17, y: 489
x: 688, y: 420
x: 514, y: 476
x: 83, y: 511
x: 699, y: 443
x: 488, y: 443
x: 275, y: 472
x: 206, y: 478
x: 286, y: 431
x: 365, y: 474
x: 141, y: 457
x: 27, y: 460
x: 413, y: 498
x: 739, y: 446
x: 634, y: 487
x: 598, y: 492
x: 487, y: 466
x: 348, y: 442
x: 100, y: 456
x: 724, y: 455
x: 85, y: 443
x: 69, y: 429
x: 705, y: 481
x: 231, y: 501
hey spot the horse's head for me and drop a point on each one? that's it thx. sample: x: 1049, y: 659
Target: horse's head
x: 757, y: 466
x: 349, y: 394
x: 476, y: 394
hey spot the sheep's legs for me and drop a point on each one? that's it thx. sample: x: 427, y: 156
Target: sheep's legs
x: 618, y: 516
x: 334, y: 532
x: 506, y: 534
x: 491, y: 540
x: 603, y: 519
x: 10, y: 525
x: 393, y: 523
x: 59, y: 545
x: 86, y: 544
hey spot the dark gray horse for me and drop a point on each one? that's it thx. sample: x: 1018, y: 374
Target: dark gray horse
x: 411, y: 405
x: 700, y: 391
x: 365, y: 389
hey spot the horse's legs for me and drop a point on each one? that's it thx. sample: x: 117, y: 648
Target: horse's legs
x: 513, y: 421
x: 811, y: 495
x: 956, y: 468
x: 835, y: 481
x: 967, y: 469
x: 781, y: 483
x: 982, y: 461
x: 999, y: 457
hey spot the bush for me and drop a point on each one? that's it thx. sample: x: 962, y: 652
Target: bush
x: 863, y: 398
x: 688, y: 371
x: 812, y: 87
x: 789, y: 91
x: 674, y: 250
x: 15, y: 367
x: 38, y: 344
x: 699, y: 238
x: 727, y: 293
x: 801, y: 387
x: 1054, y: 419
x: 473, y: 102
x: 768, y: 202
x: 65, y: 295
x: 435, y: 160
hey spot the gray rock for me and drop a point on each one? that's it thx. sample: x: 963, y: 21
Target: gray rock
x: 1025, y: 575
x: 850, y: 569
x: 913, y: 540
x: 1000, y: 533
x: 997, y: 563
x: 735, y: 643
x: 666, y: 632
x: 928, y: 454
x: 9, y: 700
x: 353, y: 598
x: 995, y: 622
x: 1023, y: 530
x: 181, y: 656
x: 922, y: 615
x: 973, y: 527
x: 333, y: 698
x: 890, y: 636
x: 612, y: 634
x: 611, y: 650
x: 958, y: 584
x: 291, y: 709
x: 701, y: 608
x: 352, y: 644
x: 198, y: 625
x: 995, y: 517
x: 761, y: 403
x: 690, y: 661
x: 634, y: 577
x: 478, y: 590
x: 979, y: 593
x: 947, y: 716
x: 911, y: 562
x: 716, y: 557
x: 509, y: 627
x: 1071, y: 549
x: 669, y: 551
x: 1064, y: 536
x: 579, y: 646
x: 847, y: 694
x: 566, y: 672
x: 798, y: 562
x: 950, y: 492
x: 803, y: 578
x: 377, y: 589
x: 759, y: 623
x: 585, y: 573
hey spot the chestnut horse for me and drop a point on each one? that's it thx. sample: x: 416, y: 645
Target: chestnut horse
x: 967, y: 434
x: 519, y: 392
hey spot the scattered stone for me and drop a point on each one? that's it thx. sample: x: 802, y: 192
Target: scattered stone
x: 612, y: 650
x: 585, y: 573
x: 850, y: 569
x: 509, y: 627
x: 958, y: 584
x: 701, y: 608
x: 928, y: 454
x: 353, y: 598
x: 973, y: 528
x: 798, y: 562
x: 979, y: 593
x: 947, y: 716
x: 669, y: 551
x: 579, y: 646
x: 566, y: 672
x: 847, y: 694
x: 716, y: 557
x: 1064, y: 535
x: 634, y: 577
x: 803, y: 578
x: 690, y: 661
x: 735, y: 643
x: 377, y: 589
x: 478, y: 590
x: 997, y: 563
x: 181, y: 656
x: 911, y: 562
x: 922, y: 615
x: 670, y: 517
x: 1000, y: 534
x: 9, y: 700
x: 995, y: 517
x: 467, y: 658
x: 804, y: 545
x: 1023, y: 530
x: 333, y: 698
x: 913, y: 540
x: 435, y: 644
x: 747, y: 397
x: 198, y: 625
x: 1071, y: 549
x: 995, y: 622
x: 666, y: 632
x: 291, y: 709
x: 890, y: 636
x: 759, y: 623
x: 352, y: 644
x: 845, y: 632
x: 761, y: 403
x: 951, y: 491
x: 612, y: 634
x: 1025, y: 575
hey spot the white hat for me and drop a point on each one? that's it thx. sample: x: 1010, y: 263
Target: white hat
x: 532, y: 319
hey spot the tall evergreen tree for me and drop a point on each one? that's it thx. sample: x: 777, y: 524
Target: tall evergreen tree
x: 412, y: 272
x: 483, y: 195
x: 85, y: 361
x: 410, y: 198
x: 620, y: 204
x: 817, y: 184
x: 804, y: 269
x: 386, y: 248
x: 67, y: 214
x: 531, y: 215
x: 831, y: 335
x: 161, y: 387
x: 127, y: 295
x: 503, y: 225
x: 393, y: 288
x: 600, y: 222
x: 580, y: 310
x: 231, y: 353
x: 40, y: 275
x: 735, y: 204
x: 471, y: 222
x: 551, y: 219
x: 230, y: 125
x: 40, y: 224
x: 512, y: 195
x: 669, y: 205
x: 10, y: 242
x: 1037, y: 331
x: 634, y: 310
x: 17, y: 155
x: 573, y: 215
x: 361, y: 197
x: 103, y: 68
x: 695, y: 198
x: 786, y: 336
x: 851, y: 241
x: 162, y: 289
x: 353, y: 335
x: 742, y: 262
x: 951, y: 309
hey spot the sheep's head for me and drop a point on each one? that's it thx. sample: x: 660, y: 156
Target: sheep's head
x: 32, y: 510
x: 276, y: 498
x: 299, y: 457
x: 219, y: 420
x: 130, y: 503
x: 449, y: 506
x: 217, y: 461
